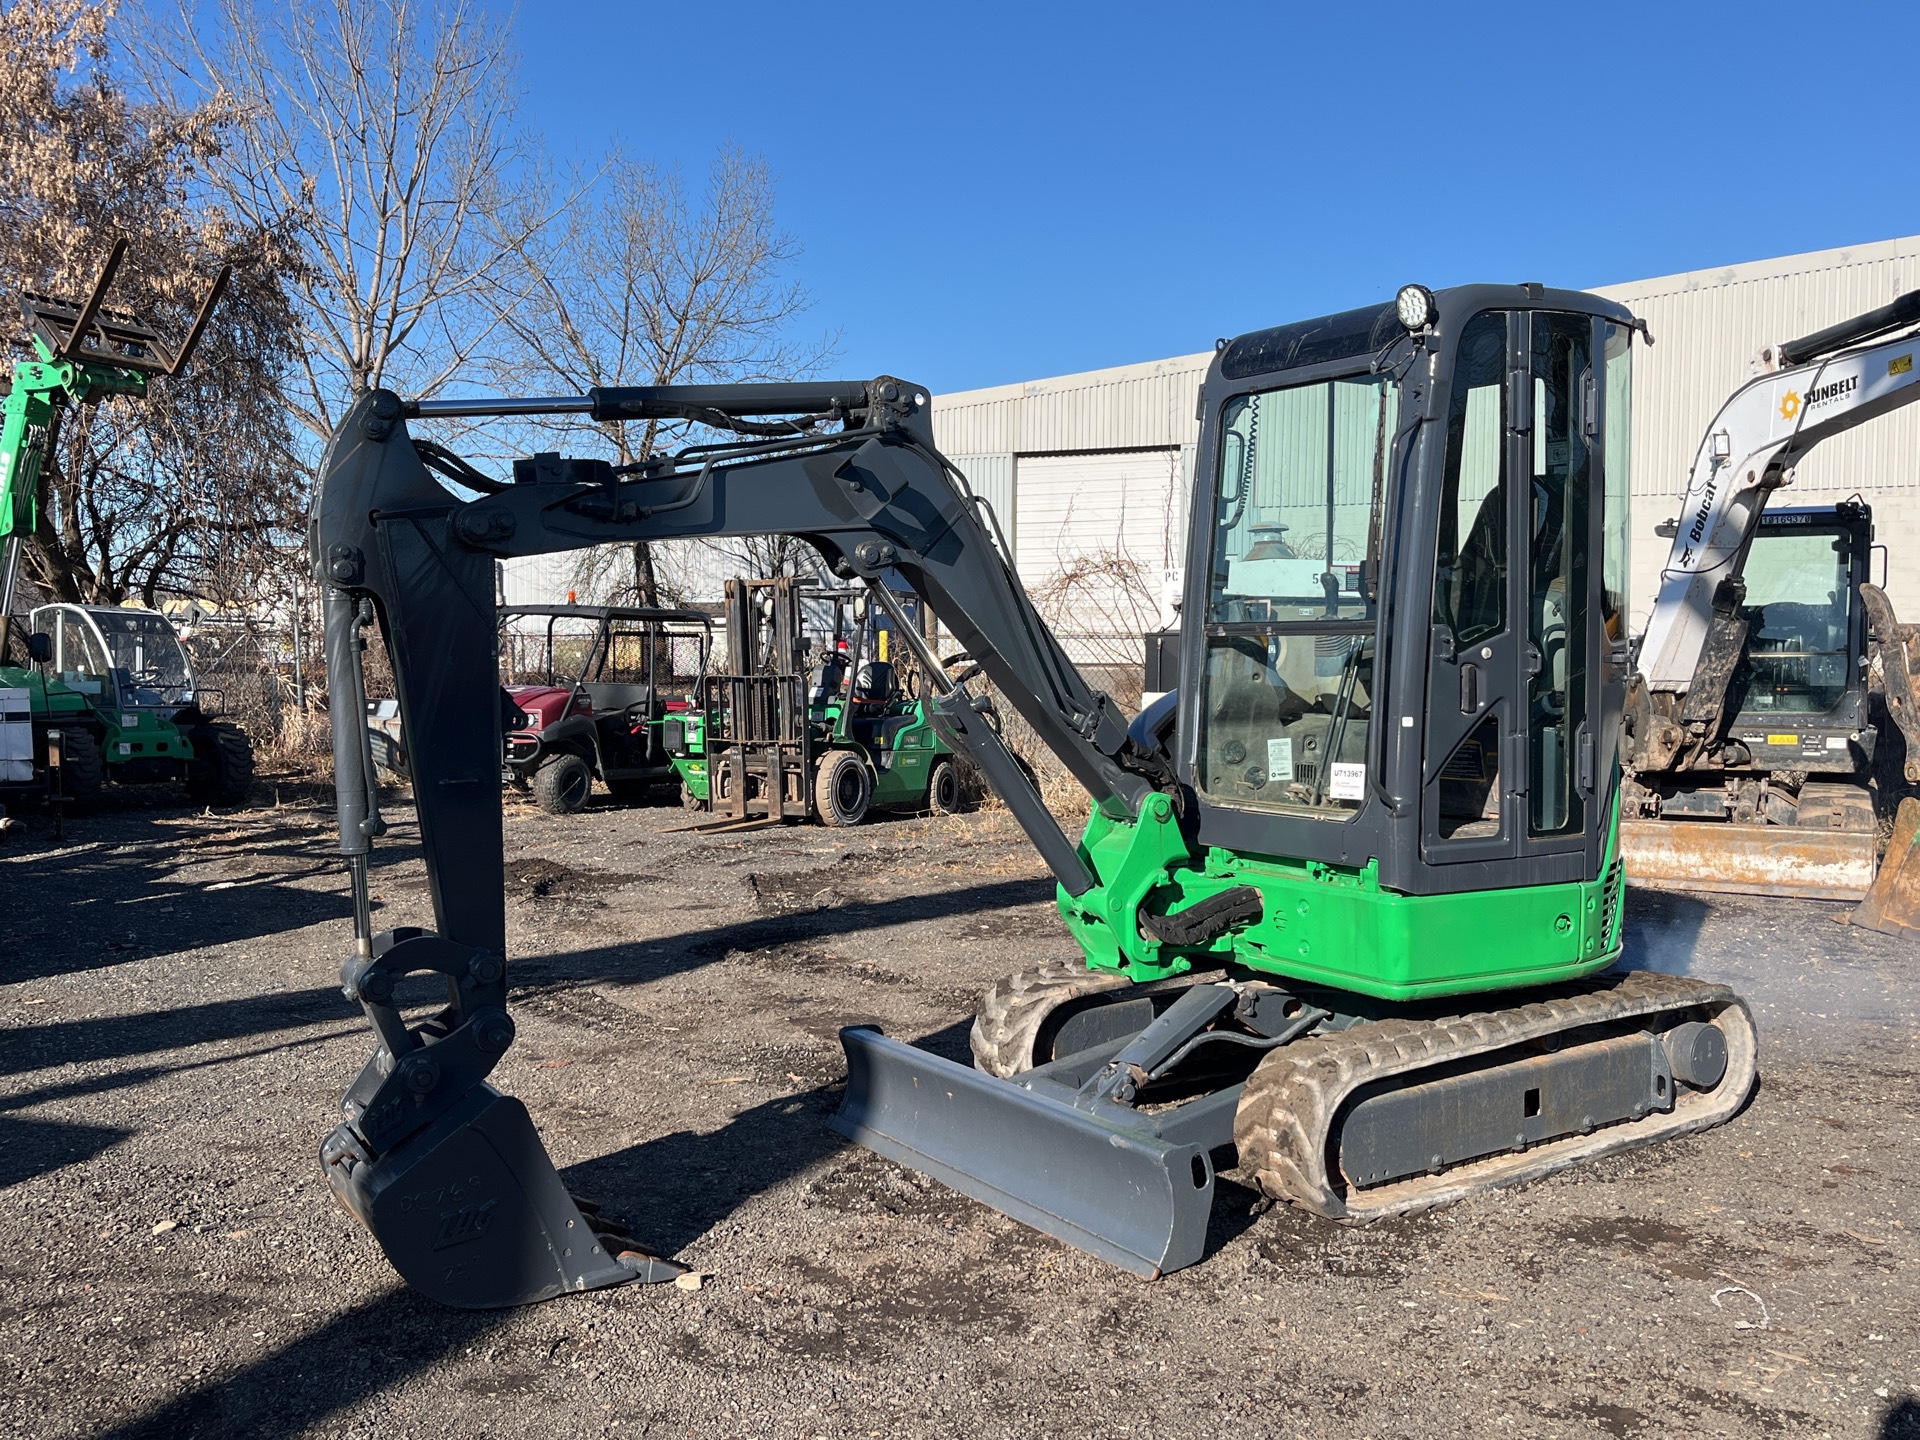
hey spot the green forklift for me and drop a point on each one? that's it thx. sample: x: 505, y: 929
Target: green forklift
x: 61, y: 737
x: 821, y: 721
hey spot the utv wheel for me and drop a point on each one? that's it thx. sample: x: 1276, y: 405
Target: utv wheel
x: 562, y: 784
x: 221, y: 771
x: 841, y: 789
x: 945, y: 795
x: 83, y: 771
x: 689, y: 800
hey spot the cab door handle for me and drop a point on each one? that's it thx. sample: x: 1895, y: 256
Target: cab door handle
x: 1469, y: 689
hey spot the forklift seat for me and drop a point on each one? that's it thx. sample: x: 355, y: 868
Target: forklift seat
x: 874, y: 686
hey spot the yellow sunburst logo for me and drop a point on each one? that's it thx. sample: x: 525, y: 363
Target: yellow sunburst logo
x: 1790, y: 405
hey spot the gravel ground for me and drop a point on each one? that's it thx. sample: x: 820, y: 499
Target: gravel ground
x: 175, y: 1043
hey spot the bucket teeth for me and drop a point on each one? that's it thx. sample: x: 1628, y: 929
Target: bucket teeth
x: 472, y: 1213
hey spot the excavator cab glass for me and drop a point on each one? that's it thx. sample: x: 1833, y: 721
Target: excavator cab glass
x: 1799, y: 610
x: 1289, y: 621
x: 1408, y: 569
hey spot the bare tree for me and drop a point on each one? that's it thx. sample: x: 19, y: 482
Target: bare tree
x: 381, y: 133
x: 642, y: 283
x: 168, y: 495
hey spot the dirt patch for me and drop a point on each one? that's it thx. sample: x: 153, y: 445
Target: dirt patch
x: 580, y: 1008
x: 864, y: 1184
x: 1619, y: 1420
x: 800, y: 959
x: 536, y: 878
x: 802, y: 892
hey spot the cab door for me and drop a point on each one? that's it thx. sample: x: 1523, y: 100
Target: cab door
x: 1508, y: 769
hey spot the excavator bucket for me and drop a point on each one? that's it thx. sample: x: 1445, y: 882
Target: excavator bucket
x: 1892, y: 906
x: 1716, y: 855
x: 1117, y: 1192
x: 472, y: 1213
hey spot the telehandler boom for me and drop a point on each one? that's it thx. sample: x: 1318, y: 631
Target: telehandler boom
x: 1347, y: 901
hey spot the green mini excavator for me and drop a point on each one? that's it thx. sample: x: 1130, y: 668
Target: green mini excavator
x: 1348, y: 902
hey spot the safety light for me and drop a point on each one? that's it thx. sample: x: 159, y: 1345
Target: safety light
x: 1418, y: 309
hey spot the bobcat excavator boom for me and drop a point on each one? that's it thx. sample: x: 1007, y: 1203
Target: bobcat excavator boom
x: 1347, y: 903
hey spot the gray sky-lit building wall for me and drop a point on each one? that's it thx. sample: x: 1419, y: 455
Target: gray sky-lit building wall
x: 1096, y: 464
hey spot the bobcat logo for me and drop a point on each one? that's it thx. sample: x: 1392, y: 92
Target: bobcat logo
x: 469, y: 1222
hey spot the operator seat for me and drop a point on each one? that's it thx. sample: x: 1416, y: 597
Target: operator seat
x: 874, y: 687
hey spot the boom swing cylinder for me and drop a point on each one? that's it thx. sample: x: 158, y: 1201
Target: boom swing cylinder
x: 1388, y: 785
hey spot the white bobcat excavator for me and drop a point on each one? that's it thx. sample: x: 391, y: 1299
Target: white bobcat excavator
x: 1774, y: 681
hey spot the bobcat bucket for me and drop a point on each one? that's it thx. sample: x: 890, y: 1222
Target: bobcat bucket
x: 1119, y: 1192
x: 472, y: 1213
x: 1892, y: 906
x: 1729, y: 858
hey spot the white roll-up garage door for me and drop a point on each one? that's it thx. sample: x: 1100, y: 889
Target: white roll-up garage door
x: 1095, y: 539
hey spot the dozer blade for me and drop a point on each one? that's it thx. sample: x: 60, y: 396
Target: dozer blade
x: 1119, y: 1193
x: 1748, y: 859
x: 1892, y: 906
x: 472, y: 1213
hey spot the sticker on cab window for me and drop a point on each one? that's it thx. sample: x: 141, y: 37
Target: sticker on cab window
x: 1280, y: 761
x: 1349, y: 783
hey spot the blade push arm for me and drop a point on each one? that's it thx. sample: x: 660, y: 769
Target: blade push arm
x: 1749, y: 450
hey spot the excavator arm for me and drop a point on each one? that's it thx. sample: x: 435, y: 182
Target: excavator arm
x: 429, y: 1155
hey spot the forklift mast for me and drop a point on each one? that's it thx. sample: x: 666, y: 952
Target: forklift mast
x: 1391, y: 767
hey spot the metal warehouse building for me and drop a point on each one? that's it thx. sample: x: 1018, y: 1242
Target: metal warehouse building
x: 1090, y: 470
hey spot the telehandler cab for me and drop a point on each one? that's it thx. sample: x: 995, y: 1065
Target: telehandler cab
x: 1349, y: 902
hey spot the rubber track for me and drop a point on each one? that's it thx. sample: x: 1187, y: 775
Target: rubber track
x: 1284, y: 1127
x: 1010, y: 1016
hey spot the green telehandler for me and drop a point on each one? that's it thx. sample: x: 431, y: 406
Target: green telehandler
x: 120, y: 702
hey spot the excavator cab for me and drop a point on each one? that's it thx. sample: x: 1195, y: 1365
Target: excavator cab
x: 1421, y: 688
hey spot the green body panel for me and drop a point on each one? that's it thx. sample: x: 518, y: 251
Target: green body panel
x: 133, y: 735
x: 692, y: 766
x: 1335, y: 926
x: 903, y: 768
x: 50, y: 699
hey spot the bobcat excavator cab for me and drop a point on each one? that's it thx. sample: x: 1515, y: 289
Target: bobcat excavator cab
x: 1750, y: 746
x: 1348, y: 903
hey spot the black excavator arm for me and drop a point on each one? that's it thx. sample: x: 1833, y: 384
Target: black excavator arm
x: 433, y: 1159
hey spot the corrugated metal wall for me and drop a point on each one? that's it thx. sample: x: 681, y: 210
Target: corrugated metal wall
x: 1707, y: 324
x: 1707, y: 327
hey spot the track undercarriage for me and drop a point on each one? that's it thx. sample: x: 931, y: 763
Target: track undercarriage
x: 1106, y: 1101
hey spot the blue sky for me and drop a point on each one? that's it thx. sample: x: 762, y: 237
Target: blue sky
x: 988, y: 193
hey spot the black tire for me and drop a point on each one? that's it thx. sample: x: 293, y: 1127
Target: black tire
x: 221, y: 771
x: 83, y: 770
x: 945, y: 794
x: 688, y: 800
x: 842, y: 788
x: 563, y: 784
